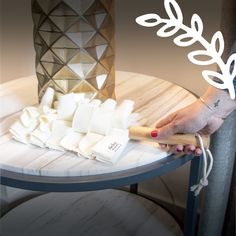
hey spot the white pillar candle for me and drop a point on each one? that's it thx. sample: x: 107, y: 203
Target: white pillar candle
x: 66, y: 107
x: 48, y: 97
x: 84, y: 114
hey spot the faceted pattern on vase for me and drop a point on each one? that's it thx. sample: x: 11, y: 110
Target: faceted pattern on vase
x: 74, y: 43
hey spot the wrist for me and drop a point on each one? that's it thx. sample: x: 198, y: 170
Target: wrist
x: 218, y: 102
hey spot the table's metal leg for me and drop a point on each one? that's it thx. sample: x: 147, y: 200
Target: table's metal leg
x: 192, y: 201
x: 134, y: 188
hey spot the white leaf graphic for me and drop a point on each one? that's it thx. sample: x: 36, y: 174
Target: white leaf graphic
x: 196, y: 24
x: 210, y: 75
x: 218, y: 39
x: 233, y: 89
x: 192, y: 57
x: 167, y: 30
x: 184, y: 40
x: 210, y: 54
x: 169, y: 4
x: 230, y: 65
x: 148, y: 20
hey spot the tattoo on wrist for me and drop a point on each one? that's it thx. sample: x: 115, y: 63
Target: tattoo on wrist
x: 204, y: 102
x: 216, y: 104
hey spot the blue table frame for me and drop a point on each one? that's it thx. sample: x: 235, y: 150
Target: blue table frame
x: 113, y: 180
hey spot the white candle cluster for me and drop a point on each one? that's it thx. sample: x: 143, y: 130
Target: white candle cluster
x: 91, y: 128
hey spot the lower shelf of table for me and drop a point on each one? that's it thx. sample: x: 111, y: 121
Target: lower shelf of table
x: 107, y: 212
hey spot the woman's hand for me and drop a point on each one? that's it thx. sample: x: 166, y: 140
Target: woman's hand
x: 195, y: 118
x: 204, y: 116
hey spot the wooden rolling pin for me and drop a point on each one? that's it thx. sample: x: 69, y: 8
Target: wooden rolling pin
x: 144, y: 133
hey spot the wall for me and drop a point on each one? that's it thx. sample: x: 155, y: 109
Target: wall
x: 17, y: 53
x: 1, y: 33
x: 138, y: 50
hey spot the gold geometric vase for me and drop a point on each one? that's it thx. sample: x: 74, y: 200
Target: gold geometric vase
x: 74, y: 44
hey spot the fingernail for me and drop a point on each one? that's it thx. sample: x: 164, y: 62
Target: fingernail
x: 154, y: 134
x: 198, y: 152
x: 163, y: 145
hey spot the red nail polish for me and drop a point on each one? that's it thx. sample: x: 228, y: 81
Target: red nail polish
x: 154, y: 134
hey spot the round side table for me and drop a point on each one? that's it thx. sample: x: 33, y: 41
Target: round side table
x: 32, y: 168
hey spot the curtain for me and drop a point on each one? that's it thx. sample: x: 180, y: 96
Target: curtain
x: 218, y: 216
x: 228, y: 26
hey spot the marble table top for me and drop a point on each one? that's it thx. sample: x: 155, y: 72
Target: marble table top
x: 154, y: 98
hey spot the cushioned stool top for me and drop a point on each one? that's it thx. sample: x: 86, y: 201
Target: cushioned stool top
x: 105, y: 213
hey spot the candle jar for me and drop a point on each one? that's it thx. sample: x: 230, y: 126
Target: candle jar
x: 74, y: 44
